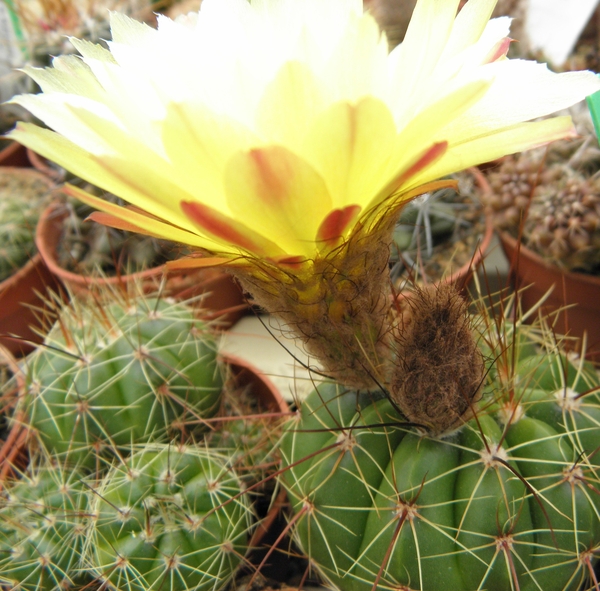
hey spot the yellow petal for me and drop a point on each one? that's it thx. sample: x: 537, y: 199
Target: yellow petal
x: 469, y: 25
x: 289, y: 105
x: 523, y: 136
x: 138, y: 182
x: 127, y: 219
x: 199, y: 143
x: 229, y: 231
x: 350, y: 146
x: 417, y: 56
x: 521, y: 91
x: 279, y: 195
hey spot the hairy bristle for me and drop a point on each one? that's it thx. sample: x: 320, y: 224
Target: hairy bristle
x: 439, y: 368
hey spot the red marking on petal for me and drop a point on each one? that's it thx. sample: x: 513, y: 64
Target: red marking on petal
x: 197, y: 262
x: 499, y: 51
x: 218, y: 225
x: 332, y: 228
x: 429, y: 156
x: 273, y: 187
x: 294, y: 262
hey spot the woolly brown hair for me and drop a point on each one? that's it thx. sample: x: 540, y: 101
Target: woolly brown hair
x: 439, y: 368
x: 338, y: 305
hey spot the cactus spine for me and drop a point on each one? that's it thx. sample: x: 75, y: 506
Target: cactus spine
x: 510, y: 501
x: 169, y: 517
x: 120, y: 372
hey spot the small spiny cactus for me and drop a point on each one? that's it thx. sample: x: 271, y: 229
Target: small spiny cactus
x: 169, y: 517
x: 120, y: 371
x: 43, y: 519
x: 550, y: 197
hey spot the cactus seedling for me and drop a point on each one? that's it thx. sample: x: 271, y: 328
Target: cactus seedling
x: 169, y: 518
x: 121, y: 371
x: 510, y: 501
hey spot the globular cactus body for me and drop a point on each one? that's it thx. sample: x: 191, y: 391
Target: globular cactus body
x: 43, y: 518
x: 169, y: 518
x: 124, y: 373
x: 510, y: 501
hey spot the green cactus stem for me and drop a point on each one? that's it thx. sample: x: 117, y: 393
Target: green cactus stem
x: 169, y: 518
x: 510, y: 501
x: 43, y: 519
x: 120, y: 372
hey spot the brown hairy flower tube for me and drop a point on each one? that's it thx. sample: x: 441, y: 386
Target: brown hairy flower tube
x: 439, y: 369
x: 338, y: 305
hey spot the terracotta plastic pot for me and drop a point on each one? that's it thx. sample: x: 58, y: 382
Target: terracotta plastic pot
x: 573, y: 304
x: 222, y: 297
x: 23, y: 295
x: 23, y: 306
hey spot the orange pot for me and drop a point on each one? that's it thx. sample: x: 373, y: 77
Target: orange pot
x: 573, y: 304
x: 222, y: 297
x: 23, y: 295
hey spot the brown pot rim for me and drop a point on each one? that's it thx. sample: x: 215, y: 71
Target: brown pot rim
x: 20, y: 273
x: 46, y: 240
x: 517, y: 247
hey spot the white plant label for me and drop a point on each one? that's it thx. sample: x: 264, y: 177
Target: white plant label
x: 554, y: 26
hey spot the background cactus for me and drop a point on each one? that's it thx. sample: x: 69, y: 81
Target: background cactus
x: 169, y: 518
x: 437, y: 232
x: 555, y: 191
x: 22, y: 196
x: 510, y: 501
x: 43, y: 519
x: 92, y: 248
x: 117, y: 371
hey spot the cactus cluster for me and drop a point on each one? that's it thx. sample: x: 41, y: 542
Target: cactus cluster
x: 44, y: 517
x: 171, y: 517
x: 122, y: 488
x: 552, y: 199
x: 22, y: 196
x: 509, y: 501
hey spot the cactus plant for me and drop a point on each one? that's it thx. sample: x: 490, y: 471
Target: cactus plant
x: 22, y: 196
x: 120, y: 371
x: 169, y: 518
x: 43, y: 518
x: 551, y: 197
x: 91, y: 249
x: 509, y: 501
x: 438, y: 233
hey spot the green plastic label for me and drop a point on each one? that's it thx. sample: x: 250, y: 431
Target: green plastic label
x: 593, y: 102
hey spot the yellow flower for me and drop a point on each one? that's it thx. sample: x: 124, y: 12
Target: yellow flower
x: 280, y: 138
x: 270, y: 129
